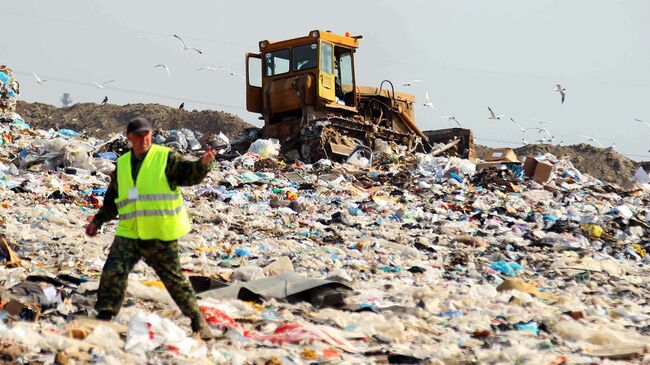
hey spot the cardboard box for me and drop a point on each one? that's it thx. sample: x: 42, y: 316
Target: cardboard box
x: 538, y: 170
x: 501, y: 155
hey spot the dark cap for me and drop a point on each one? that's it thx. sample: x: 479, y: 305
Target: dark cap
x: 137, y: 125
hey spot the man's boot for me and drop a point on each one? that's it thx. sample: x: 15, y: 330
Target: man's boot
x: 202, y: 329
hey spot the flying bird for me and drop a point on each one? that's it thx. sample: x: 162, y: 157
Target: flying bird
x: 452, y: 118
x: 101, y: 85
x: 543, y: 130
x: 165, y: 67
x: 492, y: 115
x: 182, y: 106
x: 185, y: 47
x: 410, y: 83
x: 428, y: 101
x: 642, y: 121
x: 522, y: 129
x: 540, y: 121
x: 592, y: 139
x: 38, y: 79
x: 105, y: 100
x: 233, y: 73
x: 210, y: 68
x: 561, y: 90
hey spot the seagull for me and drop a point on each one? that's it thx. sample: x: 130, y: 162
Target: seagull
x: 210, y: 68
x: 494, y: 116
x: 428, y: 101
x: 592, y: 139
x: 233, y: 73
x: 452, y: 118
x: 165, y: 67
x: 186, y: 48
x: 543, y: 130
x: 561, y: 90
x: 410, y: 83
x: 524, y: 141
x: 522, y: 129
x: 101, y: 85
x: 613, y: 146
x: 38, y: 79
x: 180, y: 107
x: 561, y: 144
x: 642, y: 121
x: 541, y: 121
x: 105, y: 100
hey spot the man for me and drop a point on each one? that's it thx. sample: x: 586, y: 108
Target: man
x: 144, y: 191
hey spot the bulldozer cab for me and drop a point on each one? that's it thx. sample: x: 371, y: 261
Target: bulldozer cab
x: 287, y: 77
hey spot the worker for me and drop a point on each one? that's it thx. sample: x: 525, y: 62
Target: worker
x: 144, y: 191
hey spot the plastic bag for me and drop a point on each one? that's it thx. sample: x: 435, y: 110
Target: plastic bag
x: 148, y: 331
x: 266, y: 148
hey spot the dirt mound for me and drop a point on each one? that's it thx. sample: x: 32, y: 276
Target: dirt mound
x: 102, y: 120
x: 602, y: 163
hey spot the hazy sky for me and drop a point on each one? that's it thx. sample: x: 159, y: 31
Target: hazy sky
x: 507, y: 54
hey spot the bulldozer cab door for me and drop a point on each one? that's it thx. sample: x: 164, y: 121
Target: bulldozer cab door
x: 326, y: 82
x: 254, y: 82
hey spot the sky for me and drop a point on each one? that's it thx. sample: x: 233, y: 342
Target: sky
x: 507, y: 54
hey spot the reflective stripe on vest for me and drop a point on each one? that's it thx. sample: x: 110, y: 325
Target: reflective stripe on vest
x: 153, y: 210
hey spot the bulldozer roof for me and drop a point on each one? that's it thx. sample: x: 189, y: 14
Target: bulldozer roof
x: 349, y: 41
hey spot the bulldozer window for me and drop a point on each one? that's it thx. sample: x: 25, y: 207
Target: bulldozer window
x: 343, y: 70
x: 304, y: 57
x: 326, y: 58
x: 276, y: 62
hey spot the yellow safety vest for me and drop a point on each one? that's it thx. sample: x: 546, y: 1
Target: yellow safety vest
x: 149, y: 209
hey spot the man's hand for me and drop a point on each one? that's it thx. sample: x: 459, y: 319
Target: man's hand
x: 91, y: 230
x: 208, y: 156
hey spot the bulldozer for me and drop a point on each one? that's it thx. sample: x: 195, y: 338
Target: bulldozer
x: 306, y: 92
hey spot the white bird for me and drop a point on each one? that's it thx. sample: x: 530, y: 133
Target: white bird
x: 211, y: 68
x: 186, y: 48
x: 543, y: 130
x: 101, y: 85
x: 524, y: 141
x: 452, y: 118
x: 592, y: 139
x: 642, y: 121
x: 428, y: 101
x: 494, y: 116
x: 410, y: 83
x: 561, y: 144
x: 613, y: 146
x: 231, y: 72
x: 38, y: 79
x: 561, y: 90
x: 524, y: 130
x: 165, y: 67
x: 540, y: 121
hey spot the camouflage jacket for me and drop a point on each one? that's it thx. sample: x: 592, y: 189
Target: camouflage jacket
x: 179, y: 172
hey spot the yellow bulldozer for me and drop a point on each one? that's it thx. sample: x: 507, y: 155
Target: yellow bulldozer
x: 305, y: 90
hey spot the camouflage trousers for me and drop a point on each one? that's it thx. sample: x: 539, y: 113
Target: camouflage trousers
x: 162, y: 256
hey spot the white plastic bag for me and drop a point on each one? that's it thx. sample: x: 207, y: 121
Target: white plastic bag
x: 266, y: 148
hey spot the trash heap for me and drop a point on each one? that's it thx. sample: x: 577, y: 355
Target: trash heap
x: 387, y: 258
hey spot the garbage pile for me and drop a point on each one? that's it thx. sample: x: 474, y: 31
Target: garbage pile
x: 9, y: 92
x: 387, y: 258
